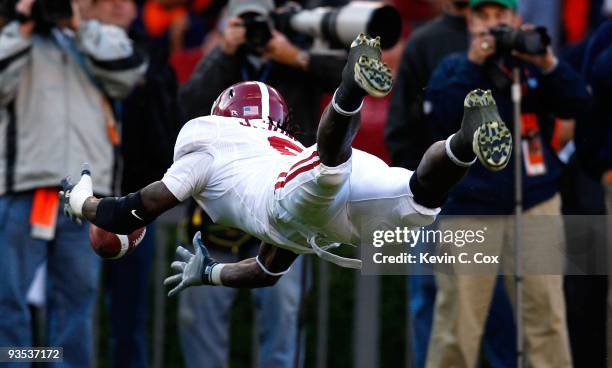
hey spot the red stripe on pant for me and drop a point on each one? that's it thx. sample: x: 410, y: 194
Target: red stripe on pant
x: 313, y: 155
x: 284, y: 173
x: 281, y: 184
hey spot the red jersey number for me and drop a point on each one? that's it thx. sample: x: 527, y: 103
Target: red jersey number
x: 284, y: 146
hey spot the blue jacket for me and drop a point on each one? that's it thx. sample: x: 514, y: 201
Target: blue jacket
x: 560, y: 93
x: 594, y: 131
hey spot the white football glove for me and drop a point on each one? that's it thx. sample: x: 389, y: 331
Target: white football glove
x: 74, y: 195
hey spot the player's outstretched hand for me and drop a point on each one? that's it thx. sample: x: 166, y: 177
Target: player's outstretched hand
x: 73, y: 196
x: 193, y: 269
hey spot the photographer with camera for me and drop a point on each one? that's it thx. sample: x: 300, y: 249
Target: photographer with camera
x: 550, y: 89
x: 252, y: 49
x: 56, y: 71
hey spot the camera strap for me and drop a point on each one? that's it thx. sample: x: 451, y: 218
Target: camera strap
x: 68, y: 45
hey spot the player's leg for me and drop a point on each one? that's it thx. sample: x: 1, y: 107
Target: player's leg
x: 311, y: 191
x: 483, y: 134
x: 364, y: 74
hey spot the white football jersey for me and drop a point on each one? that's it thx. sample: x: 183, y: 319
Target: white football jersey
x: 251, y: 175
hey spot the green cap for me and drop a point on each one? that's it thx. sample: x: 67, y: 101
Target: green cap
x: 511, y: 4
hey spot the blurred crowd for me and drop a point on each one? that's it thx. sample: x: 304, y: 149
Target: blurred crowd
x: 111, y: 82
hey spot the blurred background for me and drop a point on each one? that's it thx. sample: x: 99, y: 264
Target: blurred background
x: 113, y: 81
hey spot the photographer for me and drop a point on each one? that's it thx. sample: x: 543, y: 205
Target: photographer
x: 248, y: 52
x: 55, y: 73
x: 550, y: 89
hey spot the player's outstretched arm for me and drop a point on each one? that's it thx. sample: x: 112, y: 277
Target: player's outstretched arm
x: 200, y: 269
x: 263, y: 270
x: 120, y: 215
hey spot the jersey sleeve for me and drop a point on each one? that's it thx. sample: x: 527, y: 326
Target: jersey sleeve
x: 196, y: 135
x: 188, y: 175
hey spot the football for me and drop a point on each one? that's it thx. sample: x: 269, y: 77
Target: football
x: 112, y: 246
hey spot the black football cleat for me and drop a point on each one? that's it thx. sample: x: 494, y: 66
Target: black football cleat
x: 365, y: 67
x: 491, y: 139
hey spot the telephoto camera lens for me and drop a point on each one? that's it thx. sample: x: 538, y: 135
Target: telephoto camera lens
x: 534, y: 42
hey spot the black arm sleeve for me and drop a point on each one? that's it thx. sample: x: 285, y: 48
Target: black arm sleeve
x: 122, y: 215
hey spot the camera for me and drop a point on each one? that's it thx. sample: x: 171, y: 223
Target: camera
x: 258, y: 29
x: 47, y: 13
x: 533, y: 42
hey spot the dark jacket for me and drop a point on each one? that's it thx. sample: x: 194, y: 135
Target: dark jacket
x: 151, y: 119
x: 302, y: 90
x: 560, y: 93
x: 406, y: 134
x: 594, y: 131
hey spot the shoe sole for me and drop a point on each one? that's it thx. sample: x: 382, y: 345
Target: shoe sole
x: 373, y: 76
x: 493, y: 145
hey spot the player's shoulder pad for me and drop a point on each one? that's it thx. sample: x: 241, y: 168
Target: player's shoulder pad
x: 197, y: 134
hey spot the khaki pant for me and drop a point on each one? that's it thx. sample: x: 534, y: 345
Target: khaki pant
x: 463, y: 301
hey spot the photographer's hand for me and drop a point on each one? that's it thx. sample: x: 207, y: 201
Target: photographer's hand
x: 24, y: 7
x: 233, y: 36
x: 481, y: 48
x: 177, y: 32
x: 75, y: 21
x: 281, y: 50
x: 547, y: 62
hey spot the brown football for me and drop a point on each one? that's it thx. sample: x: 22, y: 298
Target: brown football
x: 112, y: 246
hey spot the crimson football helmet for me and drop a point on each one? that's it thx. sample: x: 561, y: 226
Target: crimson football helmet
x: 251, y: 100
